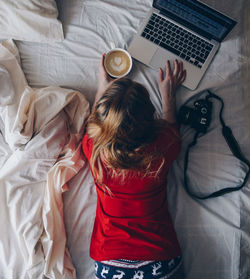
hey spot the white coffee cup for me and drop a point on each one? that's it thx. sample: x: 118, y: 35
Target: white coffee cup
x: 118, y: 62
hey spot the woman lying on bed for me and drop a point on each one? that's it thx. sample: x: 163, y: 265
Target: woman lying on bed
x: 130, y: 152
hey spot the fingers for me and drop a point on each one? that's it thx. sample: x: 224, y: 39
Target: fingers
x: 102, y: 60
x: 168, y: 72
x: 177, y: 72
x: 168, y: 69
x: 160, y: 75
x: 182, y: 73
x: 181, y: 67
x: 102, y: 70
x: 176, y: 68
x: 183, y: 76
x: 173, y: 78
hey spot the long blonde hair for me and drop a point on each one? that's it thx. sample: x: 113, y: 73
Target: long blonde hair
x: 121, y: 125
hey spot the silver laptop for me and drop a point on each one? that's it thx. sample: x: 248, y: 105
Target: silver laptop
x: 186, y: 30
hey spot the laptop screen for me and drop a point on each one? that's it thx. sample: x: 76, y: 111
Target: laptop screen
x: 197, y: 16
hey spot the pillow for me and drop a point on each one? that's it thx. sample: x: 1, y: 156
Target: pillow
x: 30, y: 20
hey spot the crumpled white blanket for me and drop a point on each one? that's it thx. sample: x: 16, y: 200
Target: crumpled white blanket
x: 40, y: 151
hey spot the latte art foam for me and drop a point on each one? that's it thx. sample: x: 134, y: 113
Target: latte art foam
x: 117, y: 63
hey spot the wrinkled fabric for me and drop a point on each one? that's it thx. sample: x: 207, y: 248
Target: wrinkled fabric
x: 41, y: 132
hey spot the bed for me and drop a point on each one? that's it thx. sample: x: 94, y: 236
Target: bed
x: 48, y: 77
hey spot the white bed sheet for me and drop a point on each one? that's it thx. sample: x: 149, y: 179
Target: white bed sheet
x: 214, y: 234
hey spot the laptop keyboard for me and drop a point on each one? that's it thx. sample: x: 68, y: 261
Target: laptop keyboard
x: 170, y: 36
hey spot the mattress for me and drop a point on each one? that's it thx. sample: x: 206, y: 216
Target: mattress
x: 48, y: 196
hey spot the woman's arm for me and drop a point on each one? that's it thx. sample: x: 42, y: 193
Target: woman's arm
x: 104, y: 80
x: 168, y: 86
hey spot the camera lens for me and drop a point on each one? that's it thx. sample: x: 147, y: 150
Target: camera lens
x: 204, y: 110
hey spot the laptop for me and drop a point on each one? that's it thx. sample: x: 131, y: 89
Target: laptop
x: 186, y: 30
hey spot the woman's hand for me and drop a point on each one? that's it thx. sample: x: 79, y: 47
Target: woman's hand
x: 168, y: 86
x: 104, y: 80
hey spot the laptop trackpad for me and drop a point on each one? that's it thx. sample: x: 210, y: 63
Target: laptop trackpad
x: 160, y: 58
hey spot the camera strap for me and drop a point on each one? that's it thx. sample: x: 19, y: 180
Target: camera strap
x: 234, y: 147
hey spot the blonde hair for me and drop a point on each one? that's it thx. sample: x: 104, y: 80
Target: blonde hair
x: 121, y: 125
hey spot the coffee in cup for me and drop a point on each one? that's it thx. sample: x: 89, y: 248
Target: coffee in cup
x: 118, y: 62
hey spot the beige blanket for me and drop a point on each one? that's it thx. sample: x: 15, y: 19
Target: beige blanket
x: 40, y: 140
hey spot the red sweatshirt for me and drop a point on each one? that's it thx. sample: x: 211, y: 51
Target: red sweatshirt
x: 134, y: 223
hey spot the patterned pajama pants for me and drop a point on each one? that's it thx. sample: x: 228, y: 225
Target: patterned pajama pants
x: 125, y: 269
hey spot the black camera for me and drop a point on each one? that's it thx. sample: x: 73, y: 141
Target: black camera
x: 198, y: 117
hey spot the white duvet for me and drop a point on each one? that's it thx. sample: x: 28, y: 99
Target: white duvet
x: 41, y: 132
